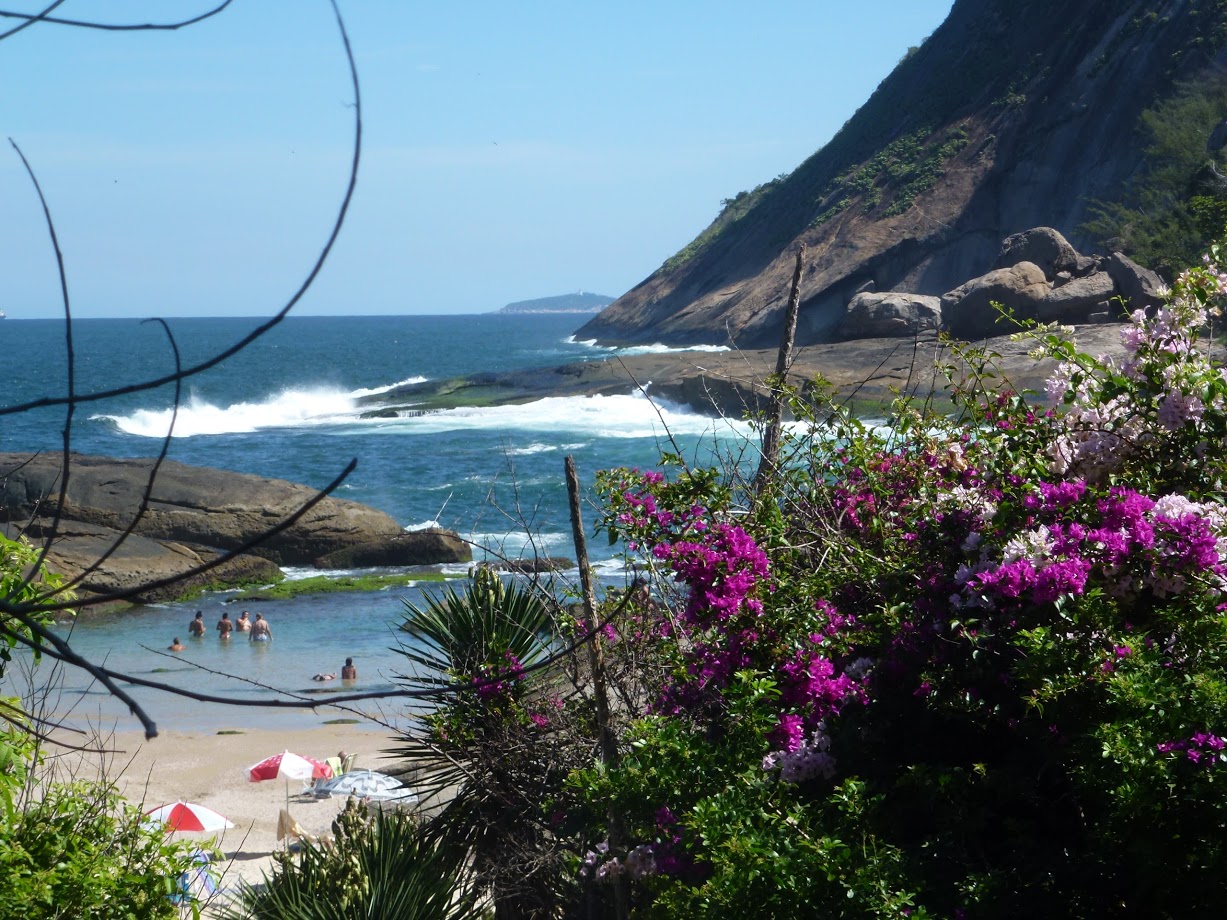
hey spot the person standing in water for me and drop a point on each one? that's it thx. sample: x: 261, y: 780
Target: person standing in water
x: 244, y: 624
x: 349, y: 672
x: 224, y: 627
x: 260, y: 631
x: 175, y: 646
x: 196, y: 628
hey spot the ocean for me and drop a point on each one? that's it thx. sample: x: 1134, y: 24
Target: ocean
x: 286, y: 407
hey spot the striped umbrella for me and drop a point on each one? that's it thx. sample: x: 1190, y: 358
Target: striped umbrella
x: 288, y: 766
x: 187, y: 816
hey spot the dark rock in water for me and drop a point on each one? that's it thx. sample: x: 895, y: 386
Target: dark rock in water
x: 194, y: 515
x: 872, y: 316
x: 380, y: 413
x: 418, y: 547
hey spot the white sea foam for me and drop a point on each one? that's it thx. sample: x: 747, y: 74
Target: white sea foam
x: 628, y: 416
x: 610, y: 568
x: 657, y: 348
x: 337, y: 412
x: 292, y: 408
x: 288, y: 409
x: 422, y: 525
x: 375, y: 391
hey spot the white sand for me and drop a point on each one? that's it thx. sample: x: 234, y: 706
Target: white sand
x: 209, y: 769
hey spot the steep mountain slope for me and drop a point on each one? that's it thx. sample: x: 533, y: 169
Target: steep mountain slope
x: 1011, y: 115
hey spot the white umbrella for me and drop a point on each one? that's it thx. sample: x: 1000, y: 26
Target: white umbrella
x: 365, y: 784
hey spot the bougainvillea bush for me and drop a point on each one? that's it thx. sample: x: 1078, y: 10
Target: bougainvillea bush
x: 968, y: 665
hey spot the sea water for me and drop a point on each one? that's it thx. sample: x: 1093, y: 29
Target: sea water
x: 287, y: 407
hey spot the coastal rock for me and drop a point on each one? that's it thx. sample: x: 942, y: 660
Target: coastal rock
x: 155, y: 570
x: 1138, y: 286
x: 1040, y: 246
x: 536, y: 565
x: 417, y: 547
x: 189, y: 504
x: 193, y: 516
x: 1018, y: 123
x: 890, y: 314
x: 968, y: 310
x: 1074, y: 301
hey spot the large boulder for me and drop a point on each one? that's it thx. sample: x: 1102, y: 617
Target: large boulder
x: 189, y: 504
x: 1075, y: 300
x: 194, y: 516
x: 1040, y: 246
x: 968, y: 310
x: 889, y: 315
x: 1139, y: 287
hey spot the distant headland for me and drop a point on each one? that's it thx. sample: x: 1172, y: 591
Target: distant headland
x: 579, y: 302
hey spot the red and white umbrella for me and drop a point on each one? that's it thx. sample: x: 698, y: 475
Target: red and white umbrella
x: 288, y: 766
x: 187, y: 816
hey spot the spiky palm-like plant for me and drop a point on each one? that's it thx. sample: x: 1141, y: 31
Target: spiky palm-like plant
x: 380, y: 866
x: 494, y: 750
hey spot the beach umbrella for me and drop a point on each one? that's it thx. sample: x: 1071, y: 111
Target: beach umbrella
x: 365, y: 784
x: 187, y: 816
x: 288, y: 766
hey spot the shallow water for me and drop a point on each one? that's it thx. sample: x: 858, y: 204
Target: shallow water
x: 311, y: 635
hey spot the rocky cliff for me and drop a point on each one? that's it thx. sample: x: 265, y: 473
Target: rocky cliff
x: 1010, y: 116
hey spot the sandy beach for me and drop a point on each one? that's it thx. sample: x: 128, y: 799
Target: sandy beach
x: 209, y: 769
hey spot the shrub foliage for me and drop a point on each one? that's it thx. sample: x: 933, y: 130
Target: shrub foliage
x: 963, y: 665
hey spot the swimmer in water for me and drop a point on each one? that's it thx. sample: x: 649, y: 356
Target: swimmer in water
x: 260, y: 631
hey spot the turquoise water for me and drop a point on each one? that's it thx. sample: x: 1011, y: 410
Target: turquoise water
x: 287, y: 407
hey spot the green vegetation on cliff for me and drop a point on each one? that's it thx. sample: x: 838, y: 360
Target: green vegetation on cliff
x: 1178, y: 202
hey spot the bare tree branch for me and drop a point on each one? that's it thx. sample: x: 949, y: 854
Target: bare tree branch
x: 281, y: 314
x: 33, y: 18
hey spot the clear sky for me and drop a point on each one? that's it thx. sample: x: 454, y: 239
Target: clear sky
x: 511, y: 150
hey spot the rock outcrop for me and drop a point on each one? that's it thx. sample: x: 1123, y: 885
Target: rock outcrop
x: 1046, y: 248
x: 1038, y: 276
x: 1064, y: 286
x: 193, y: 515
x: 417, y: 547
x: 1140, y: 287
x: 872, y: 316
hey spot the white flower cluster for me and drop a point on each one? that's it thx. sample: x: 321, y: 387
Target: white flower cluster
x: 1033, y: 545
x: 810, y: 759
x: 971, y: 500
x: 639, y: 862
x: 1100, y: 432
x: 1097, y: 438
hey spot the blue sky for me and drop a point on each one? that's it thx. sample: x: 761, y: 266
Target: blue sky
x: 511, y: 151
